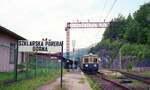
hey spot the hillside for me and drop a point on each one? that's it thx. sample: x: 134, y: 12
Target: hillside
x: 80, y: 52
x: 127, y: 39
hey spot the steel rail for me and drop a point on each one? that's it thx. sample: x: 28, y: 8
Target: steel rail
x: 136, y: 77
x: 115, y: 83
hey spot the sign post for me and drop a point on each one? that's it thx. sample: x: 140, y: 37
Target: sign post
x: 61, y: 81
x: 45, y: 47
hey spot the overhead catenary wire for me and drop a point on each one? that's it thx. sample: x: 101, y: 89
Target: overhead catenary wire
x: 107, y: 15
x: 103, y: 9
x: 105, y: 4
x: 102, y: 15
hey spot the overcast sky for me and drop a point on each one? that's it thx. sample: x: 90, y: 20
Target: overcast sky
x: 37, y: 19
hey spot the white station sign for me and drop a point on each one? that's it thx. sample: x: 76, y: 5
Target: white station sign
x: 40, y: 46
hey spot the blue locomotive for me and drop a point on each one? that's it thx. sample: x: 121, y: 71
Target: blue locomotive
x: 90, y: 63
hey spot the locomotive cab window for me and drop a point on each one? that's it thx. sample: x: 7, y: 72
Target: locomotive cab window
x: 85, y: 60
x: 95, y: 60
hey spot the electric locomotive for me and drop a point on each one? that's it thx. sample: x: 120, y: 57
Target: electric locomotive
x: 90, y: 63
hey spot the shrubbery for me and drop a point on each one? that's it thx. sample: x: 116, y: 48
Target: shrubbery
x: 140, y: 51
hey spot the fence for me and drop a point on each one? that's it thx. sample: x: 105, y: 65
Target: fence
x: 32, y: 66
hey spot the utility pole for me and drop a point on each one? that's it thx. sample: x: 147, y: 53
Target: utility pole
x: 120, y: 60
x: 73, y: 45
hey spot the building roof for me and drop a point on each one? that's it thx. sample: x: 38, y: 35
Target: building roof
x: 10, y: 33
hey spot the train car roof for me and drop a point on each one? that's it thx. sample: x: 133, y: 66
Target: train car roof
x: 91, y: 55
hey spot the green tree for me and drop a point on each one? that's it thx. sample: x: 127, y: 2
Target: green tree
x: 116, y: 29
x: 143, y: 15
x: 132, y: 30
x: 148, y: 37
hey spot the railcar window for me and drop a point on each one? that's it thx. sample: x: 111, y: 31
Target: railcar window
x: 95, y: 60
x: 86, y: 60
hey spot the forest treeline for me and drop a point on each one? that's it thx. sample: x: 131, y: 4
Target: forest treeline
x: 128, y: 35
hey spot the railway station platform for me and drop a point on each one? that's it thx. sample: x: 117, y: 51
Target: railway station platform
x: 73, y: 80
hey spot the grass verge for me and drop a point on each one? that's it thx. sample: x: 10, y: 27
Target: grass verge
x: 146, y: 74
x: 31, y: 84
x: 5, y: 76
x: 92, y: 84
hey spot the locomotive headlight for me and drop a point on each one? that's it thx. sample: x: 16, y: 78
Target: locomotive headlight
x: 95, y: 65
x: 86, y: 65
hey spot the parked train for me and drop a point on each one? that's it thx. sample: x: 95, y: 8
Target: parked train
x: 90, y: 63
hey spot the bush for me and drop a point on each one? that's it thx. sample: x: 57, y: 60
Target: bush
x: 140, y: 51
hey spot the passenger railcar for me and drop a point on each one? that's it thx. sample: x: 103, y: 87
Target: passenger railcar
x: 89, y: 63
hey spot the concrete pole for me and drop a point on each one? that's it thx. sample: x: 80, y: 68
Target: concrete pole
x: 120, y: 63
x: 73, y: 45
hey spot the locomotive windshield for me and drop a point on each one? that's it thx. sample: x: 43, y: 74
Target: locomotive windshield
x: 86, y: 60
x: 95, y: 60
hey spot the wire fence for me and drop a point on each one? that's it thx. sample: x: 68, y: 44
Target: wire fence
x: 34, y: 65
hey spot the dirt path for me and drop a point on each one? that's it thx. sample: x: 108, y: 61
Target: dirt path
x: 50, y: 86
x: 71, y: 81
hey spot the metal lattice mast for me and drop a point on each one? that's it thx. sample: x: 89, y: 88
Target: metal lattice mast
x: 80, y: 25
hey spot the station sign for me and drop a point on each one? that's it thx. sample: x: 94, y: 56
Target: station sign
x: 47, y: 46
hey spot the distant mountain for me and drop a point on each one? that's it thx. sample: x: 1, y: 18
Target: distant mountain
x: 79, y: 53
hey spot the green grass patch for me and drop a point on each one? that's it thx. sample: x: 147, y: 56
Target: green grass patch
x: 146, y: 74
x: 92, y: 84
x: 6, y: 76
x: 31, y: 84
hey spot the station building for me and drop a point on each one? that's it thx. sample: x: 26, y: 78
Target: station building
x: 8, y: 42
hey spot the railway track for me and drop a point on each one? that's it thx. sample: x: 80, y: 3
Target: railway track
x: 106, y: 84
x: 136, y: 77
